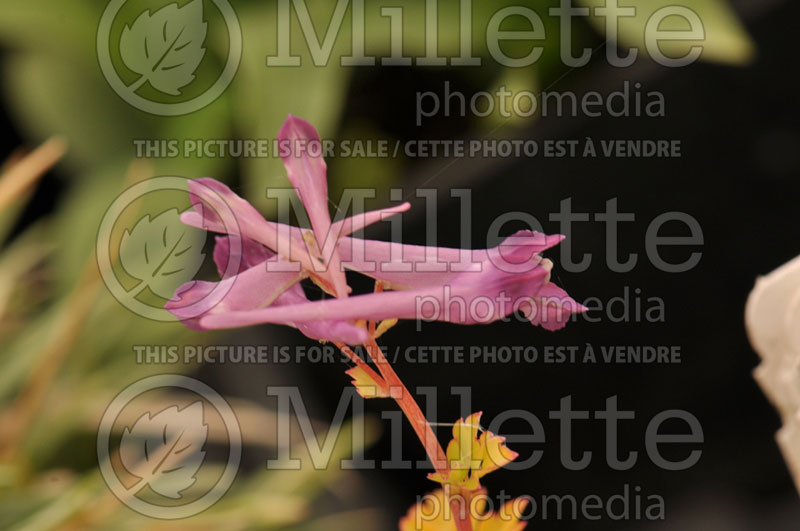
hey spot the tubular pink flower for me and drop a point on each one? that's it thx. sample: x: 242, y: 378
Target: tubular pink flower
x: 402, y: 266
x: 210, y: 197
x: 482, y: 295
x: 430, y: 283
x: 255, y: 287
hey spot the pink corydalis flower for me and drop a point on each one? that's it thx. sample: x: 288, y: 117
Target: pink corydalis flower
x: 443, y: 284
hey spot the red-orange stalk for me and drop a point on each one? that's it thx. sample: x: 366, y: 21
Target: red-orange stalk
x: 418, y: 421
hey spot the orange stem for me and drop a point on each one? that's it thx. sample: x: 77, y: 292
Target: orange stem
x: 420, y: 424
x: 347, y: 351
x: 409, y: 407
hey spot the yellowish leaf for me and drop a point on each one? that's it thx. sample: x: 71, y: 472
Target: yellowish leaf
x: 434, y: 512
x: 367, y: 383
x: 473, y: 453
x: 384, y: 327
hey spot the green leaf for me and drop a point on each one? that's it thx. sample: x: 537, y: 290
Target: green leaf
x: 165, y: 48
x: 726, y: 40
x: 41, y: 25
x: 64, y: 92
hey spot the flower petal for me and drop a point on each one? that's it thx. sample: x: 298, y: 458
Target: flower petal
x: 218, y: 209
x: 307, y: 172
x: 250, y: 254
x: 323, y: 329
x: 553, y: 308
x: 357, y: 222
x: 254, y: 288
x: 404, y: 266
x: 254, y: 256
x: 472, y: 297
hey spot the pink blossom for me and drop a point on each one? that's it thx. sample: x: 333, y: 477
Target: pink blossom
x: 430, y: 283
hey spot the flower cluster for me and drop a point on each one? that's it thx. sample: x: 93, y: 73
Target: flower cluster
x: 274, y: 258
